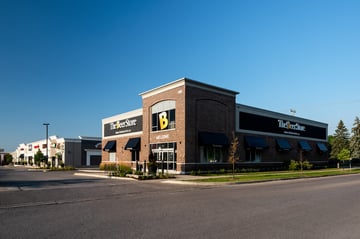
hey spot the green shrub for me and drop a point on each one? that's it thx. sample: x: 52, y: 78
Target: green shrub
x: 307, y: 165
x: 108, y: 166
x: 62, y: 168
x: 294, y: 165
x: 138, y: 172
x: 114, y: 169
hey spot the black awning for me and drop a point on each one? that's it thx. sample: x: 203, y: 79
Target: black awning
x: 110, y: 146
x: 322, y: 147
x: 283, y: 144
x: 133, y: 144
x: 254, y: 142
x: 208, y: 138
x: 304, y: 145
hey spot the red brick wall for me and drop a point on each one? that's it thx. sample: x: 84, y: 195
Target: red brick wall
x: 172, y: 135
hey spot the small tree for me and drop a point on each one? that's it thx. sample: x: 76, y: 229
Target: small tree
x: 8, y: 159
x: 233, y: 152
x: 344, y: 155
x: 38, y: 157
x: 152, y: 165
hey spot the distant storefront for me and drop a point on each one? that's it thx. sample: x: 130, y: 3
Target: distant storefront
x: 188, y: 125
x: 78, y: 152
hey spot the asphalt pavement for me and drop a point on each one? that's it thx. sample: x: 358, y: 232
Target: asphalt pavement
x: 38, y: 204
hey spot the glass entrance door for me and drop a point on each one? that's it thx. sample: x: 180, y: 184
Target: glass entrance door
x: 165, y: 156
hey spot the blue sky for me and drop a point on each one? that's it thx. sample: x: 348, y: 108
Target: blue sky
x: 73, y: 63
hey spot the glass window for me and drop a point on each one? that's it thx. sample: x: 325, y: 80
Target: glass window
x: 253, y: 156
x: 172, y: 119
x: 155, y: 122
x: 163, y: 115
x: 163, y: 120
x: 112, y: 157
x: 211, y: 154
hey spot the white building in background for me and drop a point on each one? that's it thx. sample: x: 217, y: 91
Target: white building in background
x: 76, y: 152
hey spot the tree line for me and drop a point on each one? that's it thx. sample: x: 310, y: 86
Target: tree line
x: 345, y: 146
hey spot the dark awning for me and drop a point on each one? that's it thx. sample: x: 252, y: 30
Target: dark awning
x: 208, y: 138
x: 133, y: 144
x: 322, y: 147
x: 283, y: 144
x: 110, y: 146
x: 255, y: 142
x: 304, y: 145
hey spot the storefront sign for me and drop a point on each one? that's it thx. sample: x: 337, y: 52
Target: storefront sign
x: 163, y: 121
x: 123, y: 126
x: 289, y: 125
x: 264, y: 124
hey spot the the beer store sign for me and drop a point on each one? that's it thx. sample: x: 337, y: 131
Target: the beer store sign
x: 260, y: 123
x: 123, y: 126
x: 293, y: 126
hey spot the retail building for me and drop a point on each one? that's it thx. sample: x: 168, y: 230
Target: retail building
x: 76, y: 152
x: 188, y: 126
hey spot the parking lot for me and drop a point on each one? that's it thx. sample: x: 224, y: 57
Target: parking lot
x: 37, y: 204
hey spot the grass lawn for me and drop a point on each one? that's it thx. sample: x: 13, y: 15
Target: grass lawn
x: 268, y: 176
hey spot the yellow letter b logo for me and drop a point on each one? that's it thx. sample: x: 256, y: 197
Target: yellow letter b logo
x: 163, y: 120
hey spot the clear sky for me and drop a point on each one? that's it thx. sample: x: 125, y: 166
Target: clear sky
x: 72, y: 63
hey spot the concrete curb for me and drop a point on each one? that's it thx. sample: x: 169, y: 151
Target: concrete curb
x: 102, y: 176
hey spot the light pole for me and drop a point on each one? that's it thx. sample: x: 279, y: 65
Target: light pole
x: 47, y: 138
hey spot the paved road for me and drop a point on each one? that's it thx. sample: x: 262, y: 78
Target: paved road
x: 61, y: 205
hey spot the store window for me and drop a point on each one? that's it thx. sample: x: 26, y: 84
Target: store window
x: 112, y: 157
x: 253, y: 155
x: 163, y: 115
x: 211, y: 154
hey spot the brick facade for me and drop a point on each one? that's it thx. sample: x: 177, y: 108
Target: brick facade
x: 200, y: 109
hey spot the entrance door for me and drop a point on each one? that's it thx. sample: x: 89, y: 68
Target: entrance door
x: 165, y: 158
